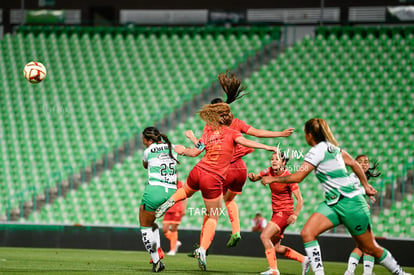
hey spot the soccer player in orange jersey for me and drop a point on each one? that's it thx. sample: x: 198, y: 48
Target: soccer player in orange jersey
x: 283, y: 214
x: 218, y: 140
x: 172, y: 220
x: 237, y: 173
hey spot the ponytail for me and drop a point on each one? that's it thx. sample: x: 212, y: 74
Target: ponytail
x: 231, y: 86
x: 320, y: 131
x: 165, y: 138
x: 152, y: 133
x: 326, y: 132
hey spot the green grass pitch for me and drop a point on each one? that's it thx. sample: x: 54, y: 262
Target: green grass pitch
x: 78, y: 261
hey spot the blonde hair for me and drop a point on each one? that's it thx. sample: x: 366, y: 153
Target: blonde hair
x: 210, y: 113
x: 320, y: 131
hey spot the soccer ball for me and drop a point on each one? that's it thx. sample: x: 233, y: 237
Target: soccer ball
x: 34, y: 72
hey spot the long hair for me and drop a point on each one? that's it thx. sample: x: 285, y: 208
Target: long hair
x: 210, y: 113
x: 320, y: 131
x: 152, y: 133
x: 231, y: 86
x: 372, y: 171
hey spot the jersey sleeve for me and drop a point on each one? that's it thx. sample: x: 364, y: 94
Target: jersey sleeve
x: 264, y: 172
x: 145, y: 157
x: 236, y: 134
x: 314, y: 156
x: 294, y: 187
x: 242, y: 126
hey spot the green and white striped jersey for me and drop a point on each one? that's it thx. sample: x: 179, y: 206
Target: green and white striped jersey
x: 331, y: 171
x: 162, y: 169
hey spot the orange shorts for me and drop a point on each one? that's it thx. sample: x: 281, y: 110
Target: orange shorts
x: 172, y: 217
x: 236, y: 177
x: 280, y: 218
x: 210, y: 185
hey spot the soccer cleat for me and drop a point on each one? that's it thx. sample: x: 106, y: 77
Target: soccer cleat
x: 177, y: 246
x: 305, y: 266
x: 400, y: 272
x: 158, y: 267
x: 234, y: 240
x: 160, y: 211
x: 270, y: 272
x: 160, y: 254
x: 193, y: 252
x: 171, y: 253
x: 349, y: 273
x: 200, y: 255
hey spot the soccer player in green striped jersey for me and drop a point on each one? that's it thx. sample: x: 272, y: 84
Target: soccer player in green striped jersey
x: 343, y: 204
x: 370, y: 172
x: 160, y: 160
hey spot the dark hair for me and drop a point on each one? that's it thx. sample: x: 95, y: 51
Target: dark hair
x: 152, y: 133
x: 231, y: 86
x: 216, y: 100
x: 372, y: 171
x: 284, y: 157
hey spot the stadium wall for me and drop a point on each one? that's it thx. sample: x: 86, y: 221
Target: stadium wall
x: 335, y: 247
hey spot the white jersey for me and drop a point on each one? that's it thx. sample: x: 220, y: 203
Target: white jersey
x: 358, y: 184
x: 162, y: 169
x: 331, y: 171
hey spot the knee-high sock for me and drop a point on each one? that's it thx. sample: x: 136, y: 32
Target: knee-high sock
x: 179, y: 195
x: 208, y: 234
x: 168, y: 235
x: 202, y: 227
x: 353, y: 262
x: 156, y: 233
x: 313, y: 251
x: 388, y: 261
x: 233, y: 211
x: 369, y: 262
x: 294, y: 255
x: 271, y: 258
x: 173, y: 240
x: 150, y: 243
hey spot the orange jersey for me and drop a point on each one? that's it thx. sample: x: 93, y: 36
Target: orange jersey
x: 240, y: 150
x: 282, y: 200
x: 179, y: 206
x: 219, y: 146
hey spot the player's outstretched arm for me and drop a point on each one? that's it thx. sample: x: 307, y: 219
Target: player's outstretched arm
x: 297, y: 177
x: 190, y: 135
x: 254, y: 177
x: 269, y: 134
x: 189, y: 152
x: 349, y: 161
x: 253, y: 144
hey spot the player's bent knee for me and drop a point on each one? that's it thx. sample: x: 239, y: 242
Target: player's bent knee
x: 307, y: 234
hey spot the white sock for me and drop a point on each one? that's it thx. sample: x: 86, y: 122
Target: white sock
x: 353, y: 262
x: 388, y: 261
x: 314, y: 253
x: 157, y: 237
x: 368, y: 264
x: 150, y: 243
